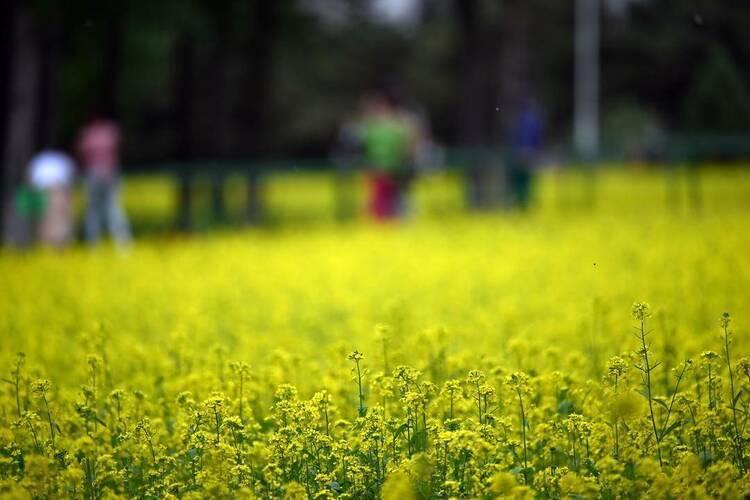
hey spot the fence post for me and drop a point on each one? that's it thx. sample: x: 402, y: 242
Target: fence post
x: 254, y: 195
x: 184, y: 198
x: 218, y: 207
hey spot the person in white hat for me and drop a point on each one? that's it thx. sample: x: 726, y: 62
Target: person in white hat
x: 51, y: 173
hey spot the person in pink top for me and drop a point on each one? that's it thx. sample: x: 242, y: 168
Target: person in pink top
x: 98, y: 148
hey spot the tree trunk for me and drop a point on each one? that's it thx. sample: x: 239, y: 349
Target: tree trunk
x: 48, y: 122
x: 22, y: 107
x: 6, y: 30
x: 511, y: 89
x: 480, y: 39
x: 223, y: 128
x: 183, y: 114
x: 513, y: 71
x: 109, y: 92
x: 263, y: 29
x: 470, y: 101
x: 471, y: 64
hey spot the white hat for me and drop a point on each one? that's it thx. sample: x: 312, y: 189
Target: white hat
x: 50, y: 169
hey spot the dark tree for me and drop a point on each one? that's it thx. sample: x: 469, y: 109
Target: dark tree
x: 471, y: 67
x: 184, y: 58
x: 112, y: 61
x: 51, y: 60
x: 6, y: 31
x: 264, y: 21
x: 21, y: 114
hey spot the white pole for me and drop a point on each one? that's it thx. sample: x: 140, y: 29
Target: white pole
x: 586, y: 120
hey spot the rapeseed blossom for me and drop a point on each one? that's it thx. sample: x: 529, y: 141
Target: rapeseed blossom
x: 482, y: 362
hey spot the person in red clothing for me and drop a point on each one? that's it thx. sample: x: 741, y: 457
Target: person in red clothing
x: 98, y: 147
x: 386, y: 139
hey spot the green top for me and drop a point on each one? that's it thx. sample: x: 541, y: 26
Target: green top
x: 29, y: 202
x: 385, y: 141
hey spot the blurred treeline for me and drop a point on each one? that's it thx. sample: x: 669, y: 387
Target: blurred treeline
x: 232, y: 79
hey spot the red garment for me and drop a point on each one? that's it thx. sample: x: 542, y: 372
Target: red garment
x: 99, y: 147
x: 384, y: 196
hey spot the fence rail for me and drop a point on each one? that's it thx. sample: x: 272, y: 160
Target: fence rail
x: 484, y: 169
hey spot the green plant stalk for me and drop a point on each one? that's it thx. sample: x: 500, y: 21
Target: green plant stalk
x: 424, y: 426
x: 385, y: 355
x: 451, y: 409
x: 485, y: 408
x: 49, y: 420
x: 647, y: 370
x: 408, y: 429
x: 671, y: 402
x: 242, y: 380
x: 617, y: 426
x: 575, y: 456
x: 33, y: 434
x: 359, y: 387
x: 93, y: 392
x: 479, y: 403
x: 17, y: 383
x: 151, y: 447
x: 218, y: 426
x: 523, y: 436
x: 737, y: 437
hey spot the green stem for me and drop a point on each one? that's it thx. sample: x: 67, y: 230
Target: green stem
x: 359, y: 386
x: 242, y: 380
x: 737, y: 437
x: 17, y: 380
x: 523, y: 435
x: 479, y: 403
x: 49, y: 420
x: 451, y: 410
x: 671, y: 403
x: 616, y: 425
x: 647, y: 371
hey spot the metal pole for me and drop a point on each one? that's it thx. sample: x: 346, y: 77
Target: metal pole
x: 586, y: 124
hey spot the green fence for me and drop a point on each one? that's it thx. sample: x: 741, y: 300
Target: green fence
x: 485, y: 171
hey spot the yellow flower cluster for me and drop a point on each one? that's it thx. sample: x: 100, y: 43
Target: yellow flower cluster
x: 487, y: 357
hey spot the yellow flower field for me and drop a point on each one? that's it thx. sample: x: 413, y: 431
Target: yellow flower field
x: 575, y: 351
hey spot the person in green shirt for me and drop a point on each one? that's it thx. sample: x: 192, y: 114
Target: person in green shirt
x: 386, y: 138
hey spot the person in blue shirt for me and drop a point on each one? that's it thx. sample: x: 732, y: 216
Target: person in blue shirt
x: 526, y: 144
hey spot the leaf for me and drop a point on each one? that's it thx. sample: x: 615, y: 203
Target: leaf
x: 565, y: 407
x: 400, y: 430
x: 99, y: 420
x: 671, y: 428
x: 736, y: 398
x: 522, y: 470
x: 7, y: 381
x: 592, y: 468
x: 660, y: 402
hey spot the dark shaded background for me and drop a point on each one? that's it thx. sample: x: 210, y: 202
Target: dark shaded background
x: 225, y: 79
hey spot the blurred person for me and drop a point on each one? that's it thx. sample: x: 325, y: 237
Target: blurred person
x: 345, y: 153
x: 421, y: 154
x: 51, y: 173
x: 98, y: 147
x: 526, y: 143
x: 387, y: 139
x: 22, y: 217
